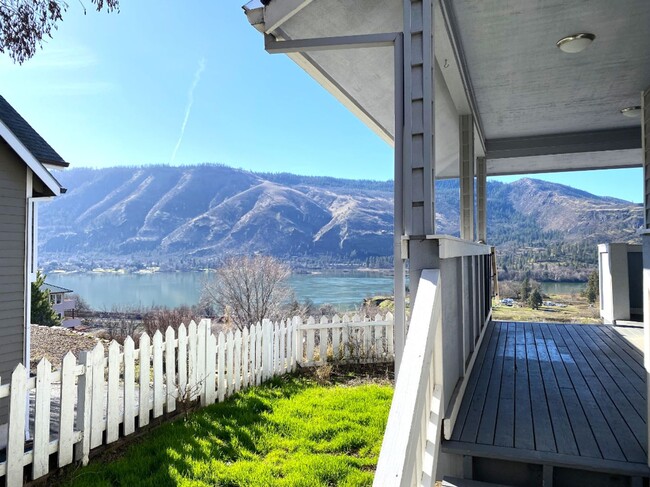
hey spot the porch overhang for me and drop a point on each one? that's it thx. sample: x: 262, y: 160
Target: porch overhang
x: 536, y: 109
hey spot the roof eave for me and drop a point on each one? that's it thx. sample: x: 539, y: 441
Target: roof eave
x: 34, y: 164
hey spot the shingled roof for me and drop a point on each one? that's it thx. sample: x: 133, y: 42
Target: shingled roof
x: 33, y: 142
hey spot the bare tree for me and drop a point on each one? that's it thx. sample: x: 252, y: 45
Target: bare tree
x: 24, y: 23
x: 248, y: 289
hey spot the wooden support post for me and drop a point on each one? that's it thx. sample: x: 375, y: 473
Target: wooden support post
x: 466, y: 172
x: 481, y: 198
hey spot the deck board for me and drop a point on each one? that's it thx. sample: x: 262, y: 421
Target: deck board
x: 542, y: 426
x: 556, y: 391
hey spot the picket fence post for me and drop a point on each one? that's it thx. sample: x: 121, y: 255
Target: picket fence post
x: 129, y: 386
x: 66, y: 417
x: 170, y: 369
x: 113, y: 397
x: 143, y: 414
x: 40, y: 462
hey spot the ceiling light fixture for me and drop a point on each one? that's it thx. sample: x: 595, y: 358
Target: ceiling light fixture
x: 632, y: 112
x: 575, y: 43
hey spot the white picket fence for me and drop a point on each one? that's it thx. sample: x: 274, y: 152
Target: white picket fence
x: 103, y: 396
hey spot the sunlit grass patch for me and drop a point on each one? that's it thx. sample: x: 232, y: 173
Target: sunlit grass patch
x: 290, y: 432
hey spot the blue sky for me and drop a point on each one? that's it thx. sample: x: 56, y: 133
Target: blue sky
x: 189, y: 82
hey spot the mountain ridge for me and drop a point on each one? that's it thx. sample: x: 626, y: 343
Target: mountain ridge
x: 195, y: 215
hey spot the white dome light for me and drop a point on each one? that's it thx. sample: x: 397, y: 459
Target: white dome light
x: 631, y: 112
x: 576, y: 42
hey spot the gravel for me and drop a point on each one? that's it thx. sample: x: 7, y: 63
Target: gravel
x: 54, y: 342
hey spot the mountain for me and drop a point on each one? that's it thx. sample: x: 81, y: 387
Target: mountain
x: 193, y: 215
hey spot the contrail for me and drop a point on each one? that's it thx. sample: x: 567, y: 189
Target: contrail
x: 190, y: 101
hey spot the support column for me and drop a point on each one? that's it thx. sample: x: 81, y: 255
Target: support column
x: 419, y: 118
x: 481, y: 197
x: 645, y: 127
x: 466, y: 171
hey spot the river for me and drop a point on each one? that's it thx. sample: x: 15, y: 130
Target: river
x: 104, y: 291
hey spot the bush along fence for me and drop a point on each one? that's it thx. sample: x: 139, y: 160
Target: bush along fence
x: 111, y: 393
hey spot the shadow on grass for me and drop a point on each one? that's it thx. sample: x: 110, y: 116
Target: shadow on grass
x: 225, y: 432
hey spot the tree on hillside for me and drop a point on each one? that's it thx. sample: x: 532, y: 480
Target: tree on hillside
x: 42, y: 312
x: 535, y: 299
x: 525, y: 289
x: 24, y: 23
x: 248, y: 289
x: 593, y: 287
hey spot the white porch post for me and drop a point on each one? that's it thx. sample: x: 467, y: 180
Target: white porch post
x: 645, y: 127
x: 418, y: 141
x: 466, y: 172
x: 481, y: 197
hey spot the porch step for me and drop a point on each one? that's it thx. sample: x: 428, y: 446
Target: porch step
x: 456, y: 482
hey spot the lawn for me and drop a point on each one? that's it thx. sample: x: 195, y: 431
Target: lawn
x: 290, y: 432
x: 574, y: 309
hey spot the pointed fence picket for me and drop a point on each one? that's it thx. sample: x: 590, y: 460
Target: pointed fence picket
x: 100, y: 395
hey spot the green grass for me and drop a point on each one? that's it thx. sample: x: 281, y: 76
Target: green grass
x: 290, y: 432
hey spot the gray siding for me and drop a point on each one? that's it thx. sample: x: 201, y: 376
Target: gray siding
x: 13, y: 174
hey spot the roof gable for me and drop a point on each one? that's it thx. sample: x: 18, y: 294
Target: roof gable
x: 24, y: 132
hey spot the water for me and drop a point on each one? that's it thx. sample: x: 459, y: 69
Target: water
x: 563, y: 287
x: 103, y: 291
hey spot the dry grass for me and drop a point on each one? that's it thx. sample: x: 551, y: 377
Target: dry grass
x: 574, y: 309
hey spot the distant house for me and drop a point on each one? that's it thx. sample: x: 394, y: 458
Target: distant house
x: 63, y: 305
x: 25, y: 179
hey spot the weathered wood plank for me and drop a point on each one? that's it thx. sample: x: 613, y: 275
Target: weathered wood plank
x: 620, y: 414
x: 524, y: 431
x: 559, y: 353
x: 504, y: 432
x: 470, y: 411
x: 542, y: 426
x: 490, y: 408
x: 602, y: 432
x: 564, y: 438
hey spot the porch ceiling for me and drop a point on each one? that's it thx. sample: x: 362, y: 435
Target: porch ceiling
x: 538, y: 109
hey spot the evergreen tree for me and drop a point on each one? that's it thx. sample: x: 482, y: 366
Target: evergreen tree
x: 535, y: 299
x: 592, y: 289
x: 42, y: 312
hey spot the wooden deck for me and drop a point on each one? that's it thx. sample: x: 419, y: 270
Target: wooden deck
x: 565, y: 395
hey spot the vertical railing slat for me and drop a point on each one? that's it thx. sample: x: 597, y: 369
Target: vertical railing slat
x: 245, y: 357
x: 158, y: 378
x: 66, y: 417
x: 16, y: 435
x: 113, y: 397
x: 210, y: 368
x: 230, y: 359
x: 40, y: 462
x: 129, y: 386
x: 84, y: 393
x: 237, y: 360
x: 182, y: 362
x: 97, y: 419
x: 221, y: 366
x: 192, y: 373
x: 170, y: 369
x: 145, y: 362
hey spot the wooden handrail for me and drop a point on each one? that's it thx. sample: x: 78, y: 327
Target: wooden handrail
x: 404, y: 448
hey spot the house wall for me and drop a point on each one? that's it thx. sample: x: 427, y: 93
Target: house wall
x: 13, y: 183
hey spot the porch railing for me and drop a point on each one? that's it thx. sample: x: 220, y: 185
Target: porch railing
x: 450, y: 313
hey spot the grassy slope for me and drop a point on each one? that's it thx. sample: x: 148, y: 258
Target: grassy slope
x: 577, y: 310
x: 290, y: 432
